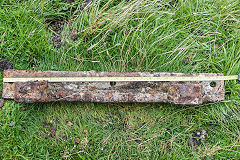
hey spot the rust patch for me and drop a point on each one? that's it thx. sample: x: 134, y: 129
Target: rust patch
x: 169, y: 92
x: 30, y: 92
x: 190, y: 94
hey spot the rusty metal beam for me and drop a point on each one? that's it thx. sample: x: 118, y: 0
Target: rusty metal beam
x: 190, y: 92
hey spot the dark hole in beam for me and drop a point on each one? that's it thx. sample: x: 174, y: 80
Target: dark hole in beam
x: 112, y: 83
x: 213, y: 84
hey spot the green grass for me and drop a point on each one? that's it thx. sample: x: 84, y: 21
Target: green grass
x: 123, y: 36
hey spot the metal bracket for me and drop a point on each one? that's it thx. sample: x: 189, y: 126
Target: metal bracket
x: 194, y: 92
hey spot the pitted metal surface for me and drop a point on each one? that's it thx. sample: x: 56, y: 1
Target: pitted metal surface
x: 168, y: 92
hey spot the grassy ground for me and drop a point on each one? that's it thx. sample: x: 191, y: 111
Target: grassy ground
x: 167, y: 36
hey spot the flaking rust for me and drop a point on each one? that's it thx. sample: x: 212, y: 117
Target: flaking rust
x: 168, y: 92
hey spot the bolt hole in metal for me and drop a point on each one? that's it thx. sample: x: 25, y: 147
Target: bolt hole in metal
x: 213, y: 84
x: 112, y: 84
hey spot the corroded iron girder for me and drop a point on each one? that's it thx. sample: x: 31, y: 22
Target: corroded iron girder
x: 194, y: 92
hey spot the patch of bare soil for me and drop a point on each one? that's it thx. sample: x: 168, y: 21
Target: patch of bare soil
x: 5, y: 64
x: 56, y: 26
x: 198, y: 137
x: 49, y: 131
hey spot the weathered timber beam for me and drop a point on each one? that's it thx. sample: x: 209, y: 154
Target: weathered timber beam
x: 189, y: 92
